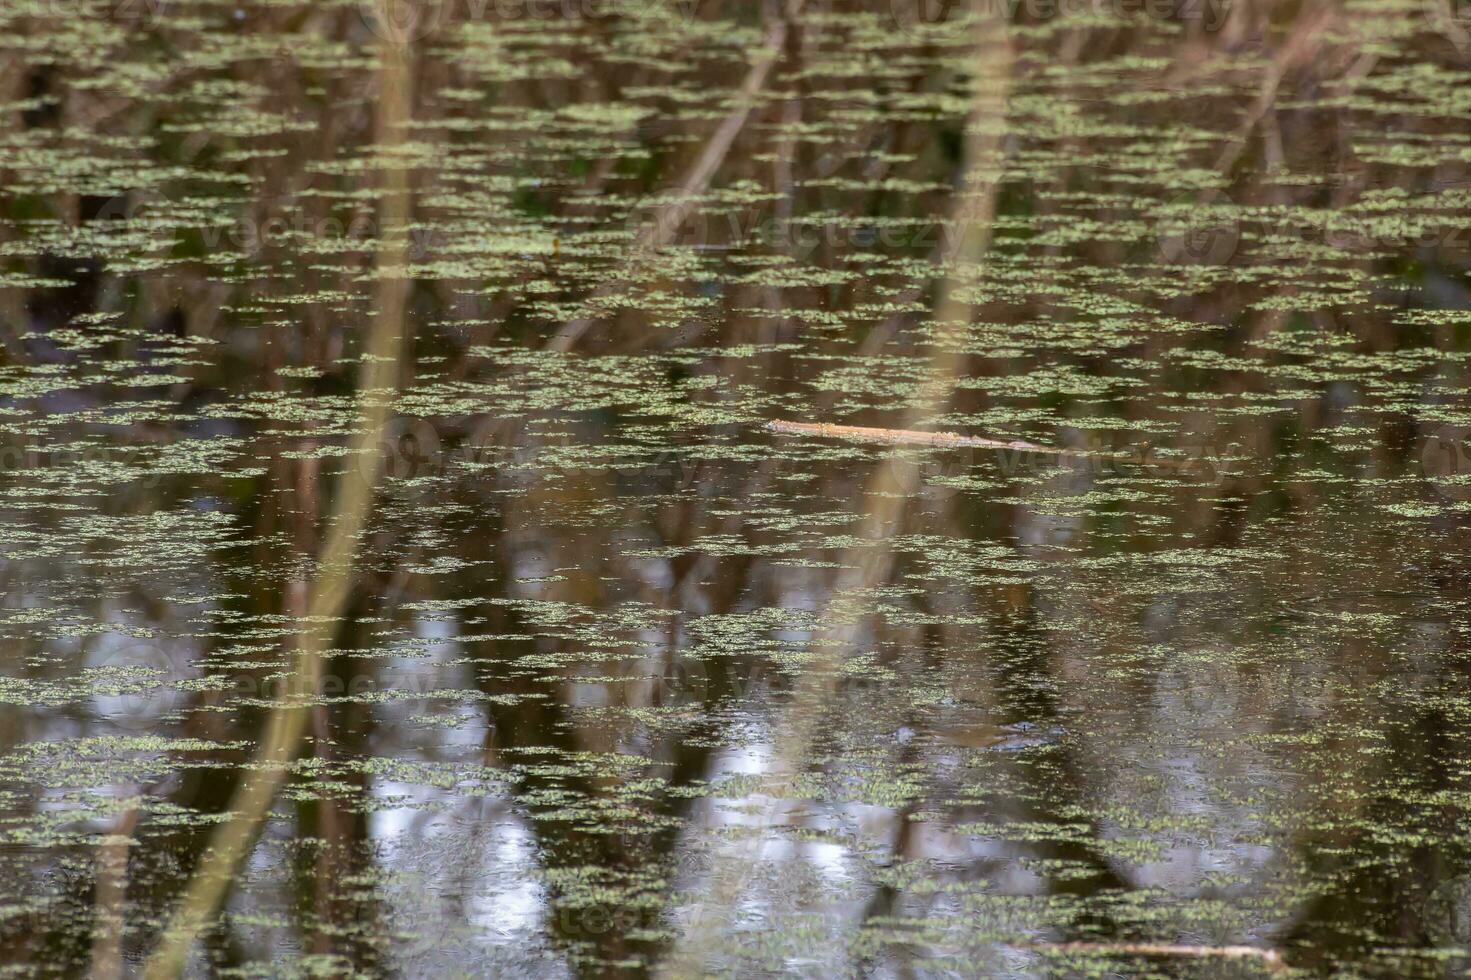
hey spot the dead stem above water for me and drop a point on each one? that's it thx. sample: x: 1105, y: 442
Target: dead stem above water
x: 954, y: 440
x: 908, y: 437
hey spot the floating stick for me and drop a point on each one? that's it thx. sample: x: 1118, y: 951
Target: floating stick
x: 954, y: 440
x: 907, y: 437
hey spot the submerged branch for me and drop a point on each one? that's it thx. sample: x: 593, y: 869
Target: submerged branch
x: 286, y: 726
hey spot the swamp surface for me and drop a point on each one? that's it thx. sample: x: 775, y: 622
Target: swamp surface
x: 621, y: 682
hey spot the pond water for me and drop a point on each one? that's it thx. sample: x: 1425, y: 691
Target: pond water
x: 610, y: 679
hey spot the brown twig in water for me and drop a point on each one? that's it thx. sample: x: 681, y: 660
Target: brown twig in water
x: 907, y: 437
x: 954, y: 440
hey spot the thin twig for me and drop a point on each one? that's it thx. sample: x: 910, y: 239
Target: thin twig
x: 954, y: 440
x: 909, y: 437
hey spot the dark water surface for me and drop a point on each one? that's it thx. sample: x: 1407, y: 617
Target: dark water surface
x: 622, y: 682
